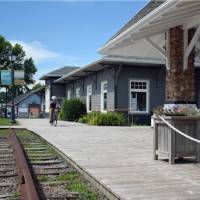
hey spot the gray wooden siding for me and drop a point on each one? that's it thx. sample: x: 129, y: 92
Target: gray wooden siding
x: 58, y: 90
x: 156, y: 77
x: 96, y: 88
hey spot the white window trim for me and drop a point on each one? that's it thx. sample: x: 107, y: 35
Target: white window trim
x: 89, y: 93
x: 102, y: 92
x: 78, y: 95
x: 140, y: 90
x: 69, y: 94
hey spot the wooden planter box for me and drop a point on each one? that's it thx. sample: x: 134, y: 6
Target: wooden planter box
x: 171, y: 144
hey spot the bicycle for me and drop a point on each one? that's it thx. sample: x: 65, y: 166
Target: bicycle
x: 54, y: 119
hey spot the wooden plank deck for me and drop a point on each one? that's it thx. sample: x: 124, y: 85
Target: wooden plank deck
x: 121, y: 158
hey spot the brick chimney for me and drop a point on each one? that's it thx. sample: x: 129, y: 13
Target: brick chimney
x: 180, y: 83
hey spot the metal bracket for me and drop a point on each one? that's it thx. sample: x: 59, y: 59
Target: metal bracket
x: 117, y: 74
x: 107, y: 71
x: 93, y: 77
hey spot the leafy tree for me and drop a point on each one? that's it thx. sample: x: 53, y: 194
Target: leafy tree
x: 29, y: 70
x: 36, y: 86
x: 2, y: 97
x: 21, y: 63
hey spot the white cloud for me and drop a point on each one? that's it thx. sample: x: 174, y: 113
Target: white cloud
x: 38, y: 51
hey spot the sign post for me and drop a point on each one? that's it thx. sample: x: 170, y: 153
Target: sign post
x: 6, y: 77
x: 19, y: 77
x: 11, y: 78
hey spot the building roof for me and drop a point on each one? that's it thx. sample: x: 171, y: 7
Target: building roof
x: 152, y: 5
x: 104, y: 63
x: 168, y: 14
x: 58, y: 72
x: 21, y: 97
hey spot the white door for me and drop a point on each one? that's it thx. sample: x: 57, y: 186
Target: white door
x: 104, y: 96
x: 47, y: 98
x: 89, y: 98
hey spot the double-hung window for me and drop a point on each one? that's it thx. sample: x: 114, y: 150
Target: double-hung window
x: 89, y: 98
x: 78, y: 92
x: 104, y: 96
x: 139, y: 96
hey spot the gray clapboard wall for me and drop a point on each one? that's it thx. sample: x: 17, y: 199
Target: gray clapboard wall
x: 156, y: 77
x: 56, y: 89
x: 118, y: 98
x: 95, y: 80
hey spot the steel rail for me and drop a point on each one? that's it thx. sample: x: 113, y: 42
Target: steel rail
x: 27, y: 186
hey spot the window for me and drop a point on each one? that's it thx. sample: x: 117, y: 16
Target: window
x: 139, y: 96
x: 69, y: 94
x: 78, y: 92
x: 104, y: 96
x: 89, y: 98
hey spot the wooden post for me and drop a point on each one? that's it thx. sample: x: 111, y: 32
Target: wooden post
x: 198, y: 145
x: 155, y: 141
x: 171, y: 140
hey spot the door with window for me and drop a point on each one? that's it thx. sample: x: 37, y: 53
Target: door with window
x: 104, y: 96
x: 139, y: 96
x: 89, y: 98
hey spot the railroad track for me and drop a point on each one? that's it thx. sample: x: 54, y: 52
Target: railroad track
x: 31, y: 170
x: 9, y: 180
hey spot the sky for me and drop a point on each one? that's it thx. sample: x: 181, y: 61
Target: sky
x: 61, y: 33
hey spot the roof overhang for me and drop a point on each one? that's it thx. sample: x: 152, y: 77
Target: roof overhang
x: 170, y: 14
x: 48, y: 76
x: 104, y: 63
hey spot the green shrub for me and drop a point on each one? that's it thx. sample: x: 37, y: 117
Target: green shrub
x: 72, y: 110
x: 104, y: 119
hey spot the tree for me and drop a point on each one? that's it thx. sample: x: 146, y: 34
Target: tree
x: 21, y: 63
x: 29, y: 70
x: 36, y: 86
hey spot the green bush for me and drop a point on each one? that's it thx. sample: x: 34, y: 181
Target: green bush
x: 104, y: 119
x: 72, y: 110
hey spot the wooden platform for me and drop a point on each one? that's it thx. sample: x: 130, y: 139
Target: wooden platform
x: 121, y: 159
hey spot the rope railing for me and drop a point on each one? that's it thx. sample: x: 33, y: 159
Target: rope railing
x: 179, y: 132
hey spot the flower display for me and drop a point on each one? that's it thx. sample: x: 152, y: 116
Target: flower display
x: 177, y: 110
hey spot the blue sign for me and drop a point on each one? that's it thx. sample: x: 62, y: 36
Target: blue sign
x: 6, y: 78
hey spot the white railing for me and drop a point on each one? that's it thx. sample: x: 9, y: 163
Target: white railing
x: 178, y: 131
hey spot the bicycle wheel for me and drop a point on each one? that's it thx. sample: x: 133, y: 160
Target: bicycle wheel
x: 52, y: 118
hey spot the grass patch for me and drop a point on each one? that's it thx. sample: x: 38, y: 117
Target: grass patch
x: 77, y: 184
x: 4, y: 132
x: 6, y: 122
x: 15, y: 196
x: 70, y: 176
x: 82, y: 188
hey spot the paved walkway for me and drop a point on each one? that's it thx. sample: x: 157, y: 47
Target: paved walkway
x: 121, y: 159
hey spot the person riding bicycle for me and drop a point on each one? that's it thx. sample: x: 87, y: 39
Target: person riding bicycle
x: 54, y: 108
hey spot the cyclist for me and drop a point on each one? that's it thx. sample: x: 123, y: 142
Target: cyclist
x: 54, y: 108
